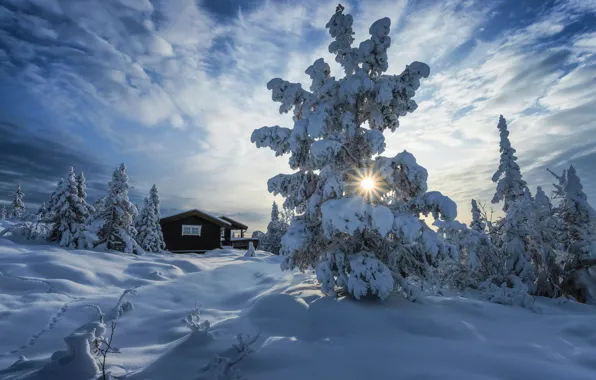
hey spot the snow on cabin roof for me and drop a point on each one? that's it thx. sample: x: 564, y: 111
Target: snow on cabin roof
x: 234, y: 223
x: 201, y: 214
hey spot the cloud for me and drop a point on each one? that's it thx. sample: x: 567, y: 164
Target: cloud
x: 178, y: 86
x: 38, y: 162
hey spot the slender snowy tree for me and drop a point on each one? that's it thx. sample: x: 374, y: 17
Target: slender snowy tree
x: 42, y: 212
x: 82, y: 192
x: 68, y: 214
x: 52, y: 201
x: 542, y: 245
x: 117, y: 215
x: 578, y: 238
x: 155, y: 201
x: 510, y: 185
x: 361, y: 240
x: 149, y: 234
x: 18, y: 206
x: 276, y: 229
x: 477, y: 224
x: 3, y: 213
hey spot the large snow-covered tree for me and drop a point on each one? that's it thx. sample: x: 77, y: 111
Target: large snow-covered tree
x: 117, y: 215
x: 510, y: 185
x: 578, y: 238
x: 149, y: 234
x: 68, y: 213
x: 511, y: 232
x: 364, y: 241
x: 17, y: 206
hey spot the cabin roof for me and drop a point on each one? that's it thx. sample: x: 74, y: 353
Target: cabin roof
x: 201, y: 214
x: 234, y: 223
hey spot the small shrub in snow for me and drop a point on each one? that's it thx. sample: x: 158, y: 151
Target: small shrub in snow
x: 122, y: 306
x: 102, y: 347
x: 222, y: 368
x: 193, y: 321
x: 365, y: 242
x: 511, y: 291
x: 78, y: 360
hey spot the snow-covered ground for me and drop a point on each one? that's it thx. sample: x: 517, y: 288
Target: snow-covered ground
x: 47, y: 292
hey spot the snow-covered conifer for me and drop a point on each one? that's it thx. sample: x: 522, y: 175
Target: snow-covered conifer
x: 364, y: 241
x: 18, y: 206
x: 477, y: 223
x: 68, y: 213
x: 514, y: 230
x: 42, y: 212
x: 82, y: 192
x: 510, y: 185
x: 149, y: 234
x: 117, y: 231
x: 276, y: 229
x: 51, y: 203
x: 154, y: 198
x: 542, y: 245
x: 578, y: 236
x: 3, y: 213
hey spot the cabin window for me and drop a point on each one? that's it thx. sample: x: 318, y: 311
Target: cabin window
x: 191, y: 230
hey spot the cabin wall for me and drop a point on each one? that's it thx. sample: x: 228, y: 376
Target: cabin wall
x: 210, y: 235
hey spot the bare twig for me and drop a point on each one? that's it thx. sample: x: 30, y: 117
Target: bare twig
x: 103, y: 347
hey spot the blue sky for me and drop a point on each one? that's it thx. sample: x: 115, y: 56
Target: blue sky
x: 174, y: 88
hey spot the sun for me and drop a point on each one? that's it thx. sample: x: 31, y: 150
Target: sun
x: 368, y: 184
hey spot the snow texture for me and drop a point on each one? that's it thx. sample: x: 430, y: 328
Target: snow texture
x: 463, y: 335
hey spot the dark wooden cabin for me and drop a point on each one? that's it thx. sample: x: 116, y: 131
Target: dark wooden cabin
x: 198, y: 231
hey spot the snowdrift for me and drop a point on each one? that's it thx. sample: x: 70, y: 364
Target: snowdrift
x: 50, y: 298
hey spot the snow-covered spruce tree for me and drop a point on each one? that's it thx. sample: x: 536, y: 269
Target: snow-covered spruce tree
x: 478, y: 224
x: 3, y: 213
x: 17, y: 206
x: 543, y: 246
x: 512, y: 229
x: 68, y: 213
x: 362, y: 241
x: 578, y: 238
x: 117, y: 231
x: 276, y: 229
x: 149, y: 234
x: 510, y: 185
x: 82, y: 192
x: 47, y: 216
